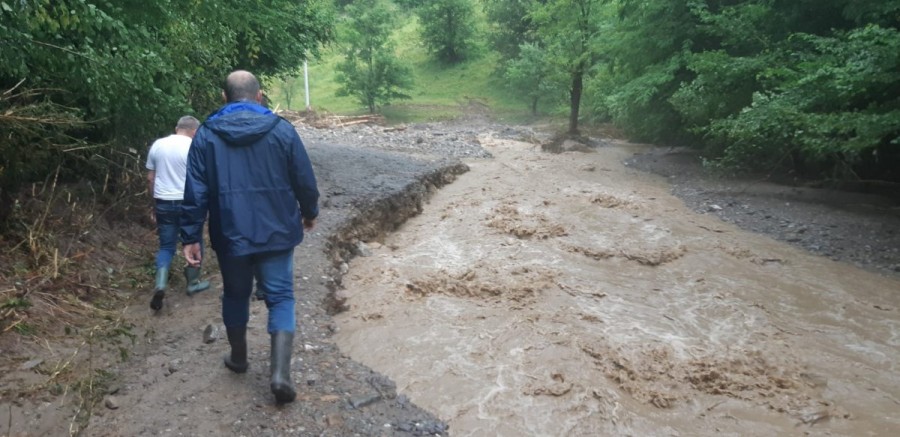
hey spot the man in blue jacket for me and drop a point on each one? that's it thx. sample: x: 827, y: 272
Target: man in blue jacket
x: 248, y: 169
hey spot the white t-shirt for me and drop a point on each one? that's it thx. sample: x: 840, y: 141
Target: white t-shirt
x: 168, y: 158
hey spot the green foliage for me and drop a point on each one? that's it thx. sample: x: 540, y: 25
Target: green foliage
x: 15, y: 303
x: 832, y: 99
x: 723, y: 85
x: 25, y: 329
x: 410, y: 3
x: 640, y: 105
x: 643, y: 58
x: 118, y: 74
x: 442, y: 91
x: 570, y: 31
x: 448, y: 29
x: 809, y: 85
x: 510, y: 25
x: 533, y: 78
x: 370, y: 72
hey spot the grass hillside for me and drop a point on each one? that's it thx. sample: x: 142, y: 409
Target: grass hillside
x: 440, y: 91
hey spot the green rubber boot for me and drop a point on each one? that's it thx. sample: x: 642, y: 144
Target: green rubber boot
x: 162, y: 277
x: 194, y: 284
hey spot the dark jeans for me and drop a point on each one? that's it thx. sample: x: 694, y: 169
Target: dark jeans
x: 168, y: 214
x: 274, y: 273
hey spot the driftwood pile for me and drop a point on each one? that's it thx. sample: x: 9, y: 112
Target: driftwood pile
x: 329, y: 121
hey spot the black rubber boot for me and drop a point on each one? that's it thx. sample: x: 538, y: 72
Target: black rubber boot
x: 162, y: 277
x: 237, y: 338
x: 192, y: 277
x: 282, y: 384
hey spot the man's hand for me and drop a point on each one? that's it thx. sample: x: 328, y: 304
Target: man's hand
x: 153, y: 215
x: 192, y: 254
x: 309, y: 224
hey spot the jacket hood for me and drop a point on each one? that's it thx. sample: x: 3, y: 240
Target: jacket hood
x: 242, y: 123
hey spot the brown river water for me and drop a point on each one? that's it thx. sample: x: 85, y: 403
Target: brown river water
x: 569, y: 295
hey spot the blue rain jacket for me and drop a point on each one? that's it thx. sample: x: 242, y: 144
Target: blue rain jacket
x: 249, y: 170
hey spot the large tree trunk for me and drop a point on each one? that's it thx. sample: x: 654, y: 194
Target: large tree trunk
x: 575, y: 97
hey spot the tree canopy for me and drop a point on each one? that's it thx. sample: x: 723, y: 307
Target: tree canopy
x: 805, y: 85
x: 808, y: 85
x: 370, y: 72
x: 85, y: 82
x: 448, y: 28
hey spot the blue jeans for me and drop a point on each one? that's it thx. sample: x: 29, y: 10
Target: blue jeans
x: 274, y: 273
x: 168, y: 214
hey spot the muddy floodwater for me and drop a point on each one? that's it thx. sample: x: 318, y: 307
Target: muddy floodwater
x: 569, y: 295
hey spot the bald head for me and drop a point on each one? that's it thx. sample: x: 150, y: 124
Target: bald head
x: 241, y: 85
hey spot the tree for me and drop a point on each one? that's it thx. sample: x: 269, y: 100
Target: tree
x: 116, y: 74
x: 510, y: 25
x: 569, y: 29
x: 643, y: 55
x: 448, y: 29
x: 533, y: 77
x: 808, y: 86
x: 370, y: 72
x: 288, y: 83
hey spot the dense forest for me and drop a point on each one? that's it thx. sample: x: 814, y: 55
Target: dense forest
x: 804, y: 86
x: 86, y: 85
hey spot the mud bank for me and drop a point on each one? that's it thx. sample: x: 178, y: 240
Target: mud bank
x: 857, y: 228
x: 373, y: 217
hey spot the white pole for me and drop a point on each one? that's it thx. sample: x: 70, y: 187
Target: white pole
x: 306, y: 83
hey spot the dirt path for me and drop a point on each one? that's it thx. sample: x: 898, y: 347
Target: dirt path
x: 572, y: 295
x: 177, y: 384
x: 170, y: 381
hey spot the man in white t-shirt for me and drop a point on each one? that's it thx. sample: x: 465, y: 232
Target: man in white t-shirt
x: 167, y: 165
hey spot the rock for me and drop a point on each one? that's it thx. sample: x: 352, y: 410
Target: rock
x: 358, y: 402
x: 574, y: 146
x: 210, y: 334
x: 340, y: 301
x: 385, y: 387
x: 362, y: 249
x: 112, y: 403
x: 334, y: 420
x: 344, y: 268
x: 715, y: 207
x: 31, y: 364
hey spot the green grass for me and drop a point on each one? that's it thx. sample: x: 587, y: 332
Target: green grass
x: 440, y: 91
